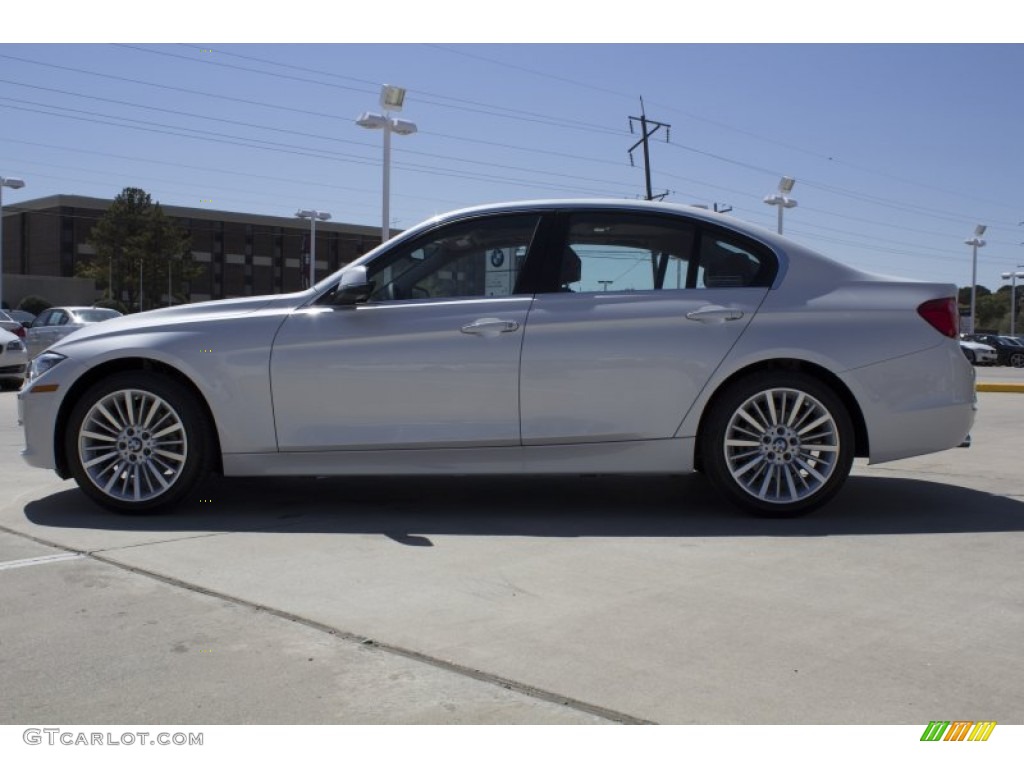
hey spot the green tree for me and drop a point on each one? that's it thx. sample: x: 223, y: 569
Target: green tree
x: 993, y: 311
x: 34, y: 304
x: 136, y: 244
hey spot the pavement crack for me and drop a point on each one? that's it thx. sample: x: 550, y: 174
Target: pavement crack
x: 370, y: 644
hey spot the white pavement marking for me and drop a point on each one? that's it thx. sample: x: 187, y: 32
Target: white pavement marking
x: 40, y: 560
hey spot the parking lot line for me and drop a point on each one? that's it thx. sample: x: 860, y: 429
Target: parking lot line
x: 40, y: 560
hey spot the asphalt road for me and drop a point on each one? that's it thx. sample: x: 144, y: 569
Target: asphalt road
x: 576, y: 600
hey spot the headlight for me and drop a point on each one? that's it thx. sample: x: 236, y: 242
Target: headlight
x: 15, y: 346
x: 43, y: 363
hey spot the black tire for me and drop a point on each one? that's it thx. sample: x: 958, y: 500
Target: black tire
x: 754, y: 444
x: 1017, y: 359
x: 969, y: 354
x: 137, y: 442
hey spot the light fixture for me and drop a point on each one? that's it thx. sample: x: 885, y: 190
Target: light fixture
x: 781, y: 198
x: 392, y: 97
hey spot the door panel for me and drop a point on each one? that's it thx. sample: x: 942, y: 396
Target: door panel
x: 606, y: 366
x: 402, y: 374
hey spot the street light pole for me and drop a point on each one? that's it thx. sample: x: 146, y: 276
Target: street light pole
x: 781, y: 198
x: 391, y: 99
x: 13, y: 184
x: 313, y: 216
x: 1012, y: 277
x: 975, y: 242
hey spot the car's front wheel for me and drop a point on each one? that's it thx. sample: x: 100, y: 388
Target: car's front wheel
x: 1017, y: 359
x: 778, y: 444
x: 137, y: 442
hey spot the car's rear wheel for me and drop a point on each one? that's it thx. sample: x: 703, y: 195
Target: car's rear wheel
x: 137, y: 442
x: 778, y: 444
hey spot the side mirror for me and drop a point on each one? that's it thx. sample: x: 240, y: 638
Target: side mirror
x: 354, y: 287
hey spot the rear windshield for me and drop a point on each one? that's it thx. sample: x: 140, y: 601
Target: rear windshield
x: 96, y: 315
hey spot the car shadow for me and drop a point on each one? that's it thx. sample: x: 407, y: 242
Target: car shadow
x: 409, y: 510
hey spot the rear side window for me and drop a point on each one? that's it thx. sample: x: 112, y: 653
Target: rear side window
x: 608, y: 251
x: 614, y: 251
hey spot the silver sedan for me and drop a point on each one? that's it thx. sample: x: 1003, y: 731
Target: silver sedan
x: 540, y: 338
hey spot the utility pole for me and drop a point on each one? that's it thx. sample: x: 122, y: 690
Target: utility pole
x: 647, y: 129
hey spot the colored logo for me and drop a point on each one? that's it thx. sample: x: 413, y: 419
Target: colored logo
x: 958, y: 730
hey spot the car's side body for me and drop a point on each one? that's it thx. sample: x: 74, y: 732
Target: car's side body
x: 538, y: 379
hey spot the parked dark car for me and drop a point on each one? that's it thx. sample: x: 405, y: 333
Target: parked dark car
x: 1009, y: 349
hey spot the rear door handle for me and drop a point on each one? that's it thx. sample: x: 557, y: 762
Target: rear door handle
x: 714, y: 314
x: 490, y: 326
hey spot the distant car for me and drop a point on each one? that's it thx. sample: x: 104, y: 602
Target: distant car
x: 978, y: 353
x: 543, y: 337
x: 13, y: 360
x: 1010, y: 351
x: 23, y: 317
x: 11, y: 324
x: 55, y: 323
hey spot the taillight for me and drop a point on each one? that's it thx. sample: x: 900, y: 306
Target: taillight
x: 19, y: 331
x: 942, y: 315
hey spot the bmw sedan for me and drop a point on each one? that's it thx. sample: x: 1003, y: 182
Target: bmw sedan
x: 546, y: 337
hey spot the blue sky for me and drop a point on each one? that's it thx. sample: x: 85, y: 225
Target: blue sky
x: 898, y: 150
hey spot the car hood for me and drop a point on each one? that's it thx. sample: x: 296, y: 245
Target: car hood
x: 161, y: 319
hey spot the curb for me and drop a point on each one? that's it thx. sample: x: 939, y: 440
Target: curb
x: 983, y: 386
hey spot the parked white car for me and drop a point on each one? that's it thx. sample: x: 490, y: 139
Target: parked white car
x: 978, y: 353
x: 8, y: 323
x: 546, y: 337
x: 53, y: 324
x: 13, y: 360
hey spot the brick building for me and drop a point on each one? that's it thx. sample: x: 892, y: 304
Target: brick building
x: 239, y: 254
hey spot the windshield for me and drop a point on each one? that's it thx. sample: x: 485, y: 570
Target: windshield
x: 96, y: 315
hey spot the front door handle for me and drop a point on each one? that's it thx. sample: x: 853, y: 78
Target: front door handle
x: 713, y: 313
x: 490, y: 326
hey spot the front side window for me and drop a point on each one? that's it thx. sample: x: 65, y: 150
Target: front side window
x: 474, y: 258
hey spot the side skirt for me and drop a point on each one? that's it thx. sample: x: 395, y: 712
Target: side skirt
x: 671, y: 456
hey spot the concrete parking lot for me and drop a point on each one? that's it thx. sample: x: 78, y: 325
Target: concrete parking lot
x: 573, y: 600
